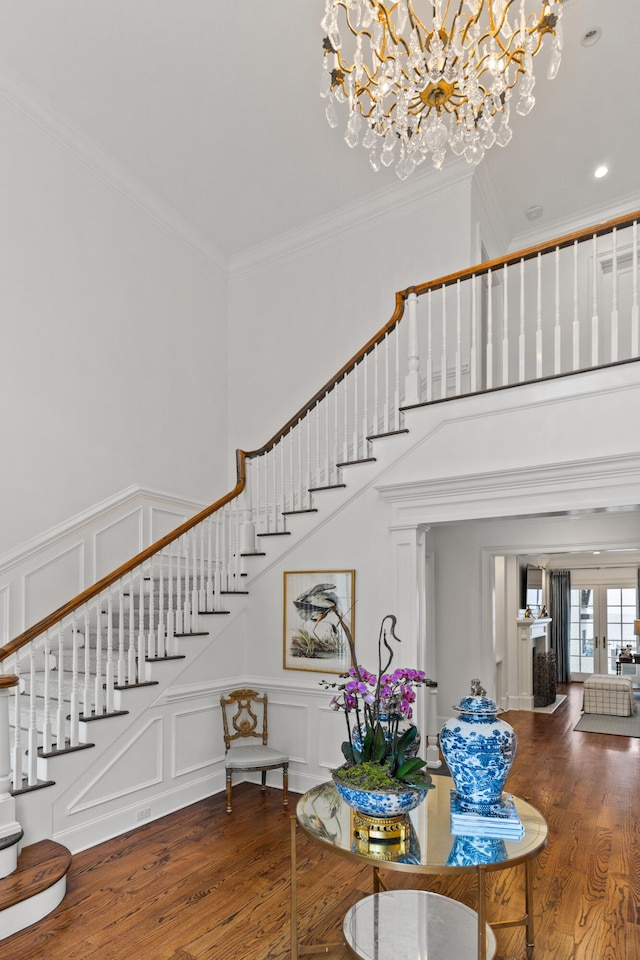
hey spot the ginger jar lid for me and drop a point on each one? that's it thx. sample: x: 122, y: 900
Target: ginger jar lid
x: 478, y: 706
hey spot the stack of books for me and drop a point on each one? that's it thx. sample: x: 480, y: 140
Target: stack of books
x: 498, y: 819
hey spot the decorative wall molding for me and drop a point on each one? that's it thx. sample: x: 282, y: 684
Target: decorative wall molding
x: 150, y: 739
x: 118, y: 500
x: 350, y: 217
x: 105, y: 168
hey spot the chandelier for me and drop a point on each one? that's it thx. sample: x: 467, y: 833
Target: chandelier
x: 413, y: 87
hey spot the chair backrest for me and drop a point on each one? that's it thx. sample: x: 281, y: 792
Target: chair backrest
x: 244, y: 715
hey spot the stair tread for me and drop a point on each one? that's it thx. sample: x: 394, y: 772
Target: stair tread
x: 40, y: 866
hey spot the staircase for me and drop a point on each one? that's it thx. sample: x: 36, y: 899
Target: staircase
x: 102, y: 668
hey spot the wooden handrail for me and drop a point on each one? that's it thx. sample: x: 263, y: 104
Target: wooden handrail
x: 54, y: 618
x: 242, y: 456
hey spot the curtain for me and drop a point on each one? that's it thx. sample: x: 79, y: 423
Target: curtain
x: 560, y: 613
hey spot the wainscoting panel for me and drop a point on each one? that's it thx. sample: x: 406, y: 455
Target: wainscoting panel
x: 43, y: 585
x: 197, y: 739
x: 116, y: 543
x: 137, y: 765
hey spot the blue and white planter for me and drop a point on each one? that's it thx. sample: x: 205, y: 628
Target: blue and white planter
x: 380, y: 804
x: 479, y: 749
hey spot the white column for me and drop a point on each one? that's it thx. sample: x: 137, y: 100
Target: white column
x: 410, y: 573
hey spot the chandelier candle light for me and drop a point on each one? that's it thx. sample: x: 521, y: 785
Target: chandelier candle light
x: 414, y: 87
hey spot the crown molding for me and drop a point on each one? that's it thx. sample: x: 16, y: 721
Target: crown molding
x: 350, y: 217
x: 107, y: 169
x: 590, y: 216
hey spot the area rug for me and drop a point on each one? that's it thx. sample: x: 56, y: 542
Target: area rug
x: 599, y: 723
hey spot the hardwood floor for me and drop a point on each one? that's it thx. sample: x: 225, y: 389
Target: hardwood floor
x: 201, y: 885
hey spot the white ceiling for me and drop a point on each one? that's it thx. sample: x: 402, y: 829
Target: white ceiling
x: 214, y: 105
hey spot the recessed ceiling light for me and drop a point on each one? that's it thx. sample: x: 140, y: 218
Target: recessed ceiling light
x: 590, y: 36
x: 601, y: 171
x: 596, y: 552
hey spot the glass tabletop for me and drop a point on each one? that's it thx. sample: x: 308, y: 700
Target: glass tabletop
x: 409, y: 924
x: 431, y: 847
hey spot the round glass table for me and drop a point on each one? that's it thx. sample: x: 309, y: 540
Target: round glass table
x: 431, y: 848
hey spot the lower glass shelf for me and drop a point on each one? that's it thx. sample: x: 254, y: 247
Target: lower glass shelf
x: 405, y: 924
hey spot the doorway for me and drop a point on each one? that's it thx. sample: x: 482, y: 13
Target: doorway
x: 602, y: 621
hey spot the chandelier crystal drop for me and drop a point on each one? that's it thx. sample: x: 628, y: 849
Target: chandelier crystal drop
x: 412, y: 87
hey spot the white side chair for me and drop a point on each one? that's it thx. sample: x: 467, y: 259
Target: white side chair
x: 244, y: 716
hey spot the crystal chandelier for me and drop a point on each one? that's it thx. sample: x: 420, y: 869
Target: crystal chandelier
x: 415, y: 86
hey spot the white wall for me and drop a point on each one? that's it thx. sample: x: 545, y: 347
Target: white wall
x: 113, y: 356
x: 303, y: 306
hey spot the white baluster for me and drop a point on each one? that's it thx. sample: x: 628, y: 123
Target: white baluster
x: 365, y: 404
x: 429, y: 349
x: 98, y: 694
x: 376, y: 390
x: 32, y: 751
x: 86, y: 690
x: 614, y: 298
x: 141, y: 650
x: 17, y: 726
x: 345, y: 419
x: 521, y: 337
x: 557, y: 330
x: 162, y: 625
x: 74, y: 712
x: 327, y: 438
x: 595, y: 333
x: 61, y: 712
x: 412, y: 378
x: 122, y: 658
x: 635, y: 325
x: 386, y: 386
x: 505, y: 327
x: 179, y: 619
x: 335, y: 440
x: 474, y: 334
x: 202, y: 582
x: 218, y: 562
x: 458, y: 386
x: 193, y: 594
x: 274, y: 485
x: 355, y: 453
x: 249, y: 546
x: 489, y: 330
x: 171, y: 603
x: 132, y: 660
x: 396, y: 394
x: 539, y: 319
x: 153, y: 638
x: 188, y: 580
x: 576, y: 316
x: 47, y: 732
x: 443, y: 353
x: 110, y: 670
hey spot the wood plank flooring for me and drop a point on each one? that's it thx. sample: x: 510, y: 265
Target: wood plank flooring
x: 201, y: 885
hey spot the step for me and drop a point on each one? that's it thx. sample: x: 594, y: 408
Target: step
x: 36, y: 887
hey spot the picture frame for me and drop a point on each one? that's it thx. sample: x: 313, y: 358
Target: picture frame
x: 316, y: 604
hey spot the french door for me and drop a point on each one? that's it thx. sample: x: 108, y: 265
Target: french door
x: 602, y: 618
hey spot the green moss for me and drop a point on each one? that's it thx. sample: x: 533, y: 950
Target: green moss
x: 370, y: 776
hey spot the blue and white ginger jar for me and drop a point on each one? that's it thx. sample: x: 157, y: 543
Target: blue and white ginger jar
x: 479, y: 749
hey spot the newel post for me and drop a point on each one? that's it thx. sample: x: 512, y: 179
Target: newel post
x: 247, y: 527
x: 10, y: 829
x: 412, y: 378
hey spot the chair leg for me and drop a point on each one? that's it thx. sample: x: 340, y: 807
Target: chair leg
x: 228, y: 791
x: 264, y: 780
x: 285, y: 785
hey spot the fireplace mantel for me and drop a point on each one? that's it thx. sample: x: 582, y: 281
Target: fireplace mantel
x: 533, y: 637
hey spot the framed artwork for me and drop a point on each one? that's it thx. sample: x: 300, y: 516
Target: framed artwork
x: 316, y: 605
